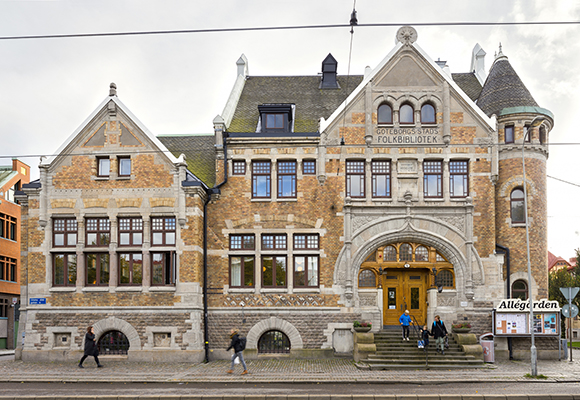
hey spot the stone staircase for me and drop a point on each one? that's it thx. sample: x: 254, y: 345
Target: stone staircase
x: 394, y: 353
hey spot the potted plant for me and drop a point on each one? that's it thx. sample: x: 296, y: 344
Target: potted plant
x: 461, y: 327
x: 362, y: 326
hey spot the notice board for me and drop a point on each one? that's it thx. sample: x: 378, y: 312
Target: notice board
x: 517, y: 324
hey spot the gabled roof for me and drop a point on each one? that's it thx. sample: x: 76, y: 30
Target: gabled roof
x: 311, y: 102
x: 6, y: 173
x: 503, y: 88
x: 199, y: 152
x: 554, y: 260
x: 485, y: 118
x: 133, y: 118
x: 469, y: 83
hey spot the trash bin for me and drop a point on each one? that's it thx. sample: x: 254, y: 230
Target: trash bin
x: 488, y: 349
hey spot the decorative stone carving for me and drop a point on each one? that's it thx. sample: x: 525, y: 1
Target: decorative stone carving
x: 407, y: 35
x: 457, y: 221
x: 367, y: 299
x: 274, y: 300
x: 358, y: 222
x: 445, y: 301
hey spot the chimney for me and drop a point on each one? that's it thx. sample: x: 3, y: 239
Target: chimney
x: 478, y: 63
x: 242, y: 64
x: 329, y: 66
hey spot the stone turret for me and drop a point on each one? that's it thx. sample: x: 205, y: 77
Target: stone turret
x: 505, y: 96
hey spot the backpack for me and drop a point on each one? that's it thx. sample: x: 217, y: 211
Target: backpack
x: 242, y: 343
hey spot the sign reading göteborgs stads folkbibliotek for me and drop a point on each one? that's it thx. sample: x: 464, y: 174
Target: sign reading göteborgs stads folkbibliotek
x: 408, y: 136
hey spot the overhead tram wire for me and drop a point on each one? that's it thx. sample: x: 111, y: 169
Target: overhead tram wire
x: 129, y: 152
x: 291, y: 27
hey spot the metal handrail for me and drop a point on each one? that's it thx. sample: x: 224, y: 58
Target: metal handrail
x: 418, y: 332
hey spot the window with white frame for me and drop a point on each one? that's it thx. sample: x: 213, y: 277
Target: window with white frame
x: 355, y: 178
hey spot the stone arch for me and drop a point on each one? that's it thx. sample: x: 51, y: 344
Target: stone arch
x: 274, y: 323
x: 523, y: 276
x: 117, y: 324
x: 445, y: 236
x: 433, y: 100
x: 517, y: 181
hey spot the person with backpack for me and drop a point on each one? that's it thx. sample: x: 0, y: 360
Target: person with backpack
x: 439, y: 332
x: 238, y: 343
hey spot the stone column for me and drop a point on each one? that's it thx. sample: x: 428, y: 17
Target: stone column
x: 146, y: 253
x: 81, y: 270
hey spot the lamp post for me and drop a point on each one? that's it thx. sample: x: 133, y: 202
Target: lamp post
x: 534, y: 355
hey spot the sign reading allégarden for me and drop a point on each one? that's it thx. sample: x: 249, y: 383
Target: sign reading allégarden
x: 511, y: 317
x: 408, y: 135
x: 518, y: 305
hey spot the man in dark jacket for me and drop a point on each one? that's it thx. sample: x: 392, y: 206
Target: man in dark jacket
x: 91, y: 348
x: 238, y: 351
x: 439, y: 332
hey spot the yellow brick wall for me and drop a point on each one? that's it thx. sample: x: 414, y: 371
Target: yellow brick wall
x: 80, y: 174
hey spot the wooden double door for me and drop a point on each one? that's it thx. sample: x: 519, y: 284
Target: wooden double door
x: 405, y: 289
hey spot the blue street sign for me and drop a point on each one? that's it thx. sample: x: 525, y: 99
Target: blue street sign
x: 38, y: 300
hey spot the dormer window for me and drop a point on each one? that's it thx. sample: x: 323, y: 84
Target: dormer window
x: 275, y: 118
x: 275, y: 121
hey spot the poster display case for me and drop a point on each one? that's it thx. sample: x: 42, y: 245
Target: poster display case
x: 511, y: 318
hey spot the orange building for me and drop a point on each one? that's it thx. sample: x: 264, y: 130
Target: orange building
x: 11, y: 180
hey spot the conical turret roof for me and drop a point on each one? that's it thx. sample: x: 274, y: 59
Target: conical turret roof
x: 503, y: 88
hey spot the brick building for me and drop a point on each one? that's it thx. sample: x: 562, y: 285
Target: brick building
x: 319, y: 200
x: 11, y: 180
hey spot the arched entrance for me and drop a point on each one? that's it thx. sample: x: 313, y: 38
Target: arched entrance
x: 405, y: 271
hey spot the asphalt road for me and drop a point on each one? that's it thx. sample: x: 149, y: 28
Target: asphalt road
x: 221, y: 389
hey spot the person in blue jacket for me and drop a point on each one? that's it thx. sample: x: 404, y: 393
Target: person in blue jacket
x: 405, y: 321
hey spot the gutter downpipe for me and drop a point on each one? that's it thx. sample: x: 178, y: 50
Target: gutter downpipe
x: 506, y: 251
x: 210, y: 191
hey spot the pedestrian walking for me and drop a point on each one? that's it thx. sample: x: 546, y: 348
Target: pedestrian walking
x: 405, y: 320
x: 425, y: 336
x: 238, y: 344
x: 439, y: 332
x: 91, y: 348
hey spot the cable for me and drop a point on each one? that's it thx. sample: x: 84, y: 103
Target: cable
x: 562, y: 180
x: 130, y: 152
x: 275, y: 28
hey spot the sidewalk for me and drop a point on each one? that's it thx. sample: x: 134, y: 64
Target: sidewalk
x: 275, y: 370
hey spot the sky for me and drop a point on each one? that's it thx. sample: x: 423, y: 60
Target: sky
x: 178, y: 83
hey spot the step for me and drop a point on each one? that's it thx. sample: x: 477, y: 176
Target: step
x: 424, y: 366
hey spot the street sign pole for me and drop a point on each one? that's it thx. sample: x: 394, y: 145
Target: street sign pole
x: 571, y: 311
x: 570, y: 323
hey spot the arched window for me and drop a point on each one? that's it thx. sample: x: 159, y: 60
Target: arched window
x: 518, y: 213
x: 390, y: 253
x: 405, y: 252
x: 427, y: 114
x: 445, y: 278
x: 273, y: 342
x: 385, y: 114
x: 406, y: 114
x: 113, y: 342
x: 421, y: 254
x: 367, y: 278
x: 520, y: 290
x: 440, y: 258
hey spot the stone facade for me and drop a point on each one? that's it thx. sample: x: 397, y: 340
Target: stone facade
x: 331, y: 204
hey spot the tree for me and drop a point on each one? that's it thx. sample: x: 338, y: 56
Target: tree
x: 564, y: 278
